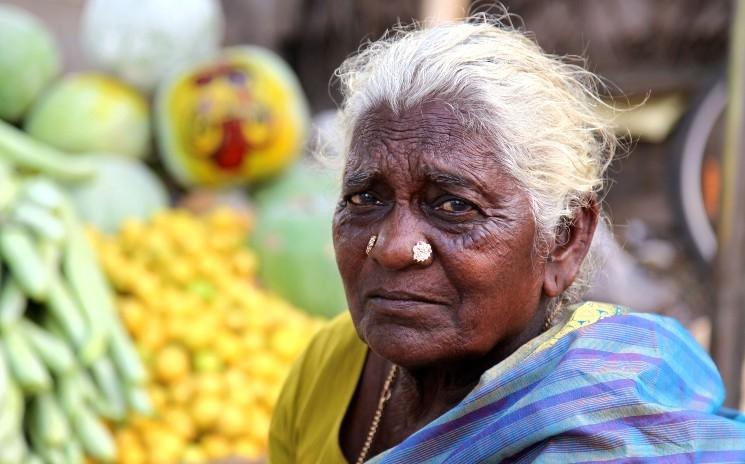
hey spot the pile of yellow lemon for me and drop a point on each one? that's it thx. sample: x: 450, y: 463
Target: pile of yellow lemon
x: 217, y: 346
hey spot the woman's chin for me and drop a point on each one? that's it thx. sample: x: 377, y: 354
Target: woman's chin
x: 406, y: 346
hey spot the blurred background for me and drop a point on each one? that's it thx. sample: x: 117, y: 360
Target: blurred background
x: 198, y: 118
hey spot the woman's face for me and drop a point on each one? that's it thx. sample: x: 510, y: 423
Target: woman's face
x: 421, y: 176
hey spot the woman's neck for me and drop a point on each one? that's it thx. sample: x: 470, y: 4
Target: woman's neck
x: 420, y: 395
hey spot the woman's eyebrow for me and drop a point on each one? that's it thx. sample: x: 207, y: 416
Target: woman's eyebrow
x: 358, y: 178
x: 452, y: 180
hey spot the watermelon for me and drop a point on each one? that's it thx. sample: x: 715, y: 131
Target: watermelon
x: 29, y: 60
x: 234, y: 120
x: 292, y: 239
x: 89, y: 112
x: 122, y: 188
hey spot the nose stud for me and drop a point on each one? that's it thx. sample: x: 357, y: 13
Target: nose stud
x: 371, y: 244
x: 422, y: 251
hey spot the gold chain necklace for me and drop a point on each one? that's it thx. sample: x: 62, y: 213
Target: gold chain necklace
x: 385, y: 395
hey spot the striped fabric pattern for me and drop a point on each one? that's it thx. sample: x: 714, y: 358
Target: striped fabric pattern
x: 615, y: 387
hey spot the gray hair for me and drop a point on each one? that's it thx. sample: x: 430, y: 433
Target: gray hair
x: 542, y: 114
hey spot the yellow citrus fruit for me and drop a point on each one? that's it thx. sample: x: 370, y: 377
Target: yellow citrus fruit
x: 205, y: 411
x: 209, y: 383
x: 158, y: 396
x: 193, y: 454
x: 216, y: 446
x: 232, y: 423
x: 242, y: 396
x: 133, y: 314
x: 196, y: 335
x: 248, y: 448
x: 180, y: 422
x: 130, y: 447
x: 181, y: 392
x: 171, y: 363
x: 229, y: 348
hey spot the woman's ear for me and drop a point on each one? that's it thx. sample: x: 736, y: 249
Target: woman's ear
x: 569, y: 250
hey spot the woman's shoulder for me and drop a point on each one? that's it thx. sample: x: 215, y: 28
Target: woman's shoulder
x: 335, y: 346
x: 316, y: 394
x: 617, y: 327
x: 337, y: 333
x: 650, y: 349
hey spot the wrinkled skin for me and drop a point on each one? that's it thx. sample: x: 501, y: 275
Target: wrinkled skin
x: 420, y: 176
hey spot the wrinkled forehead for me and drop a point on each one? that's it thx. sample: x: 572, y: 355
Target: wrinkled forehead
x: 430, y: 135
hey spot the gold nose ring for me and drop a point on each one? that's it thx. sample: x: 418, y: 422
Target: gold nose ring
x: 422, y: 251
x: 371, y: 244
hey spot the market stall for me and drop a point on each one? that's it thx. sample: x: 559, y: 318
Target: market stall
x: 162, y: 245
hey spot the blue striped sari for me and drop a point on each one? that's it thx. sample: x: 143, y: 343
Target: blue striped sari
x: 604, y: 386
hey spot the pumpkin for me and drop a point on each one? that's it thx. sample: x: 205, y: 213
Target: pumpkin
x: 121, y: 188
x: 292, y: 239
x: 91, y: 112
x: 142, y: 43
x: 236, y: 119
x: 29, y: 60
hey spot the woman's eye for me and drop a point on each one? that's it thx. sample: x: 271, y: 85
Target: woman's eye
x: 455, y: 205
x: 364, y: 198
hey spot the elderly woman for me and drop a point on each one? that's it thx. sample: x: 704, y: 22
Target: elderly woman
x: 469, y: 202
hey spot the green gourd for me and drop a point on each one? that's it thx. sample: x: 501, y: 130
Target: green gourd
x: 292, y: 239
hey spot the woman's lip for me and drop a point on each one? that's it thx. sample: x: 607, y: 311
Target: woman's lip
x: 394, y: 302
x: 403, y: 296
x: 394, y: 305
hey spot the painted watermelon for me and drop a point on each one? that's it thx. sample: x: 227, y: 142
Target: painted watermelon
x: 232, y: 120
x: 292, y: 238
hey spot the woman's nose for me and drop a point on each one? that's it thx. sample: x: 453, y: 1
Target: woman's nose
x: 396, y: 238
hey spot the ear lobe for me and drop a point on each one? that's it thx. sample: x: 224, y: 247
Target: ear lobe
x: 551, y: 285
x: 569, y: 251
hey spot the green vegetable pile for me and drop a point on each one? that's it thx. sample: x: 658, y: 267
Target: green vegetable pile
x: 66, y: 362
